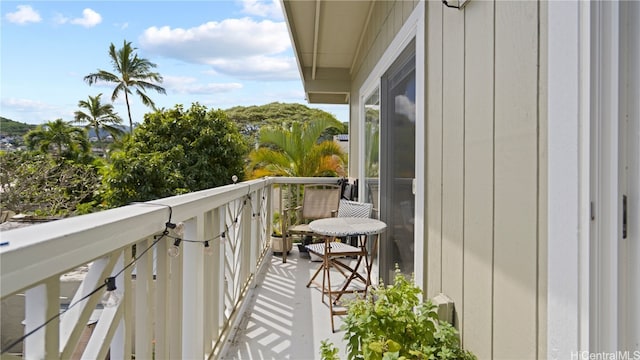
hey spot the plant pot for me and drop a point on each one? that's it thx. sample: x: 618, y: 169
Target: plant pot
x: 276, y: 244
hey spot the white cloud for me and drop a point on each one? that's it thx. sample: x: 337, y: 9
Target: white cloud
x: 25, y: 14
x: 263, y: 8
x: 89, y: 19
x: 33, y: 111
x: 25, y: 104
x: 406, y: 106
x: 231, y: 38
x: 240, y: 47
x: 258, y: 67
x: 60, y: 19
x: 190, y: 85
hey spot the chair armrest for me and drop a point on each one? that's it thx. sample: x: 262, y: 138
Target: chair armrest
x: 286, y: 217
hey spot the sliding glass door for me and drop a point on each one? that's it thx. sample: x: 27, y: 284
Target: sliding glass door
x: 397, y: 164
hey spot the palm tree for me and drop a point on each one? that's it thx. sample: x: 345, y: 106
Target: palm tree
x: 131, y: 72
x: 59, y: 137
x: 98, y: 116
x: 295, y: 151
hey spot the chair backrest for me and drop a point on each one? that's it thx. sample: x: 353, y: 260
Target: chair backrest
x: 350, y: 208
x: 320, y: 201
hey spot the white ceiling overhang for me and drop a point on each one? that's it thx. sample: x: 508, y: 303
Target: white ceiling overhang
x: 327, y: 36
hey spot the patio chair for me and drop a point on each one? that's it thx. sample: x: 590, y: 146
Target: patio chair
x: 319, y: 201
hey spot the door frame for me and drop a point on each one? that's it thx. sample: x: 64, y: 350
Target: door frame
x: 413, y: 28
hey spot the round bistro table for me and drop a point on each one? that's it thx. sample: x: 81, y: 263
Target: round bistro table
x: 330, y: 251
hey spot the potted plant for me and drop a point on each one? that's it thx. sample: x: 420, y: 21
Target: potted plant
x: 392, y: 323
x: 276, y: 235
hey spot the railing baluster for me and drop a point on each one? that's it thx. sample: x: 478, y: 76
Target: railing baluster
x: 208, y: 283
x: 102, y: 336
x: 162, y: 315
x: 74, y: 322
x: 121, y: 343
x: 246, y: 244
x: 192, y: 291
x: 175, y: 306
x: 217, y: 275
x: 41, y: 304
x: 144, y: 301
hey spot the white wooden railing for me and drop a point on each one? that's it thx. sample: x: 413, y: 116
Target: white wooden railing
x: 171, y: 307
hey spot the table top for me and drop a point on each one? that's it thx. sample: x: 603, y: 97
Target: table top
x: 347, y: 226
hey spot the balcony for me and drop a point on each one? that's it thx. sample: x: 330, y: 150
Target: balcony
x: 222, y: 295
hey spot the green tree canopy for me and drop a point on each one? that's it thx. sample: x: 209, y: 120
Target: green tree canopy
x: 297, y: 150
x: 98, y: 116
x: 130, y: 72
x: 60, y: 138
x: 173, y: 152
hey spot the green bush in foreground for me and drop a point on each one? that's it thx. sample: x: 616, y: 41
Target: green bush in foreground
x: 397, y: 325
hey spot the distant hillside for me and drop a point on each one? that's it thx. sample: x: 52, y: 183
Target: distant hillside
x: 13, y: 128
x: 251, y: 118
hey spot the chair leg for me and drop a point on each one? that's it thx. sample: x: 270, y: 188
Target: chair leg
x: 318, y: 270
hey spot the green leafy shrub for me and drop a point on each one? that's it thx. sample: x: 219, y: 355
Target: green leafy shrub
x: 392, y: 323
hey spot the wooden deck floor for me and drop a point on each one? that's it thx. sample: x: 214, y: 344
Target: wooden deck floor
x: 284, y: 319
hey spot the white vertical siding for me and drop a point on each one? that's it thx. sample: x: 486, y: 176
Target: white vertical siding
x: 434, y: 149
x: 484, y: 182
x: 478, y: 179
x: 516, y: 180
x: 453, y: 91
x: 485, y: 165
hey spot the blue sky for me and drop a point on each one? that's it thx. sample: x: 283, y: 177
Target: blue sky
x: 219, y: 53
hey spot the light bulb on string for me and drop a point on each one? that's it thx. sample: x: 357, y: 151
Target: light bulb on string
x: 111, y: 297
x: 208, y: 249
x: 174, y: 250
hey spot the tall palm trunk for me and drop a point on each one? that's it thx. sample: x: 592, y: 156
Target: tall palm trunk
x: 126, y: 99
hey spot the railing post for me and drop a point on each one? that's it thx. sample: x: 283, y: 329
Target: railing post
x: 193, y: 292
x: 41, y: 304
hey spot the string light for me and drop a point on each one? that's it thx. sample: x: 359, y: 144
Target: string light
x: 174, y: 250
x: 208, y: 250
x: 111, y: 297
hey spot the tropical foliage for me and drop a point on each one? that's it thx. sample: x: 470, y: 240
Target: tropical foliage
x: 60, y: 138
x: 393, y: 323
x: 295, y: 150
x: 38, y: 184
x: 130, y: 73
x: 98, y: 116
x: 173, y: 152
